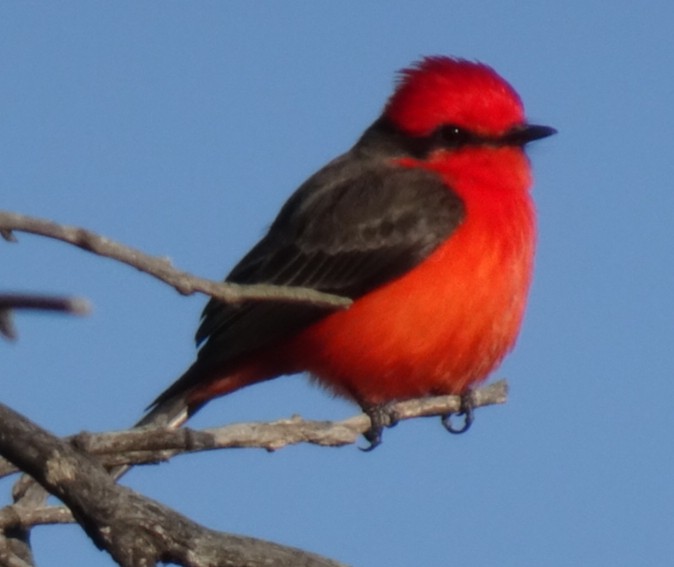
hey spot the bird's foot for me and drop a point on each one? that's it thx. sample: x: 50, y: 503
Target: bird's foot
x: 381, y: 416
x: 466, y: 411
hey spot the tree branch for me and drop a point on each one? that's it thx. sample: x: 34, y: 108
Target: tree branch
x: 161, y: 268
x: 135, y: 530
x: 152, y: 445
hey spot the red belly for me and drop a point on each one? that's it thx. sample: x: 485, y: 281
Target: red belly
x: 439, y: 329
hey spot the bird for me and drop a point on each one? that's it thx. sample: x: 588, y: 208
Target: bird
x: 426, y: 224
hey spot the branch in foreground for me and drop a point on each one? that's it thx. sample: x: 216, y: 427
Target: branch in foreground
x: 135, y: 530
x: 152, y: 445
x: 138, y: 446
x: 161, y: 268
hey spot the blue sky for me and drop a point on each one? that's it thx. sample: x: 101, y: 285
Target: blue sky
x: 180, y: 128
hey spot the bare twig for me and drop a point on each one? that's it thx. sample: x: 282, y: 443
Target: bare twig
x: 28, y: 516
x: 73, y: 305
x: 7, y: 235
x: 11, y: 301
x: 162, y: 269
x: 7, y: 328
x: 152, y: 445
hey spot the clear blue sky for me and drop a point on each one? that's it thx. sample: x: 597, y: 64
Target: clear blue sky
x: 180, y: 128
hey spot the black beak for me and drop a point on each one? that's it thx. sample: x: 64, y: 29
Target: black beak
x: 526, y: 133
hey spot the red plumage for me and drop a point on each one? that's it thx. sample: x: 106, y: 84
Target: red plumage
x: 444, y: 325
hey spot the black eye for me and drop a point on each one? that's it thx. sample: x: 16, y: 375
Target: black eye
x: 452, y: 136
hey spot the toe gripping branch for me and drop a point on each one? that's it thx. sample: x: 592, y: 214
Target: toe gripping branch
x: 466, y: 410
x: 384, y: 415
x: 381, y: 416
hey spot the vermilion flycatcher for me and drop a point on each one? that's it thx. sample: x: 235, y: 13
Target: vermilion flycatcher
x: 426, y: 223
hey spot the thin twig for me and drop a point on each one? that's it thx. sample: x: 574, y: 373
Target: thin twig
x: 11, y: 301
x: 161, y: 268
x: 152, y: 445
x: 73, y: 305
x: 27, y: 516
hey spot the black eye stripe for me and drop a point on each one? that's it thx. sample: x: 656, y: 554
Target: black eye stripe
x: 386, y: 137
x: 383, y: 137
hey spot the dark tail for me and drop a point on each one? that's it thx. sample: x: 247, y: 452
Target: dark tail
x: 178, y: 402
x: 171, y: 413
x: 170, y: 410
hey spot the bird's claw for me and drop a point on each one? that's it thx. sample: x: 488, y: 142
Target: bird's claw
x: 466, y: 411
x: 381, y: 416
